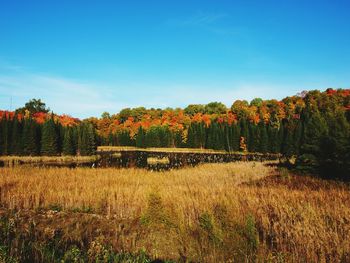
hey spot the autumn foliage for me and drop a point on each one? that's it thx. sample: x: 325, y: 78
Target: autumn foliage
x: 313, y: 126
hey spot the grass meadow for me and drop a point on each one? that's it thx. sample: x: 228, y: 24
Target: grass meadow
x: 232, y: 212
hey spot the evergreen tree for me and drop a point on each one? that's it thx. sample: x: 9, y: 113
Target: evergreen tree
x: 5, y: 136
x: 152, y: 137
x: 253, y: 138
x: 235, y: 137
x: 227, y: 132
x: 216, y: 138
x: 123, y: 138
x: 16, y: 137
x: 298, y: 133
x: 263, y: 138
x: 315, y: 129
x: 178, y: 139
x: 281, y: 136
x: 334, y: 157
x: 274, y: 142
x: 31, y: 137
x: 141, y: 138
x: 68, y: 142
x: 165, y: 136
x: 87, y: 142
x: 288, y: 141
x: 196, y: 137
x: 49, y: 138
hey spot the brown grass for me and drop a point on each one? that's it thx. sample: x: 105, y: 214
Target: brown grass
x: 47, y: 159
x: 169, y: 150
x: 208, y: 213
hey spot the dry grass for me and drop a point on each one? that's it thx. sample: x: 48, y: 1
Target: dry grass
x: 155, y: 160
x: 152, y: 149
x: 200, y: 213
x: 48, y: 159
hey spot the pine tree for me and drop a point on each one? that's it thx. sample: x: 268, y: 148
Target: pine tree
x: 152, y: 137
x: 5, y: 136
x: 68, y: 142
x: 334, y: 150
x: 91, y: 139
x: 87, y: 142
x: 298, y: 133
x: 16, y: 140
x: 280, y: 137
x: 274, y: 143
x: 178, y: 139
x: 191, y: 136
x: 165, y: 136
x: 49, y: 138
x: 30, y: 137
x: 141, y: 138
x: 235, y: 137
x: 315, y: 129
x: 263, y: 138
x: 253, y: 138
x: 288, y: 149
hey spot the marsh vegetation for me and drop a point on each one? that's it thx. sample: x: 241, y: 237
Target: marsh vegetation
x: 238, y: 212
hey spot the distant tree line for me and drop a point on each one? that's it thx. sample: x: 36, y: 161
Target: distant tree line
x: 27, y: 137
x: 313, y: 127
x: 24, y: 133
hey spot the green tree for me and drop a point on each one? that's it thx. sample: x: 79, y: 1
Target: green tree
x: 5, y: 134
x: 274, y: 142
x: 69, y: 147
x: 16, y: 137
x: 253, y: 138
x: 141, y: 138
x: 315, y: 129
x: 235, y: 137
x: 334, y: 158
x: 49, y: 139
x: 215, y: 108
x: 263, y: 138
x: 34, y: 106
x: 193, y: 109
x: 152, y: 137
x: 257, y: 102
x: 31, y: 137
x: 86, y: 141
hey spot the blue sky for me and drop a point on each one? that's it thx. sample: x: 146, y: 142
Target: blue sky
x: 86, y: 57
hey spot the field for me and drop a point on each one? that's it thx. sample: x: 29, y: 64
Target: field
x: 153, y: 149
x: 20, y: 160
x: 233, y: 212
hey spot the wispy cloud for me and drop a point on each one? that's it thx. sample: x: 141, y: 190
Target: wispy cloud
x: 90, y: 98
x: 212, y: 22
x: 75, y: 97
x: 202, y: 19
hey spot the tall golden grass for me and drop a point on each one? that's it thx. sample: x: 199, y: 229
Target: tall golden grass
x: 13, y: 160
x: 210, y: 213
x: 155, y: 149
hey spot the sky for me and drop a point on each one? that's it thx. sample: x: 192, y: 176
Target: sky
x: 86, y: 57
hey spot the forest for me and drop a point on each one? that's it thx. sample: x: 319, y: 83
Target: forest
x: 312, y: 126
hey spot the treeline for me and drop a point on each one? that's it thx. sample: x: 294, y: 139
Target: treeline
x: 312, y: 126
x: 28, y: 137
x: 240, y: 136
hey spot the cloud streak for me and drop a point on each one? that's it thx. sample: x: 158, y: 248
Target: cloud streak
x: 88, y: 98
x: 202, y: 19
x: 62, y: 95
x: 206, y: 21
